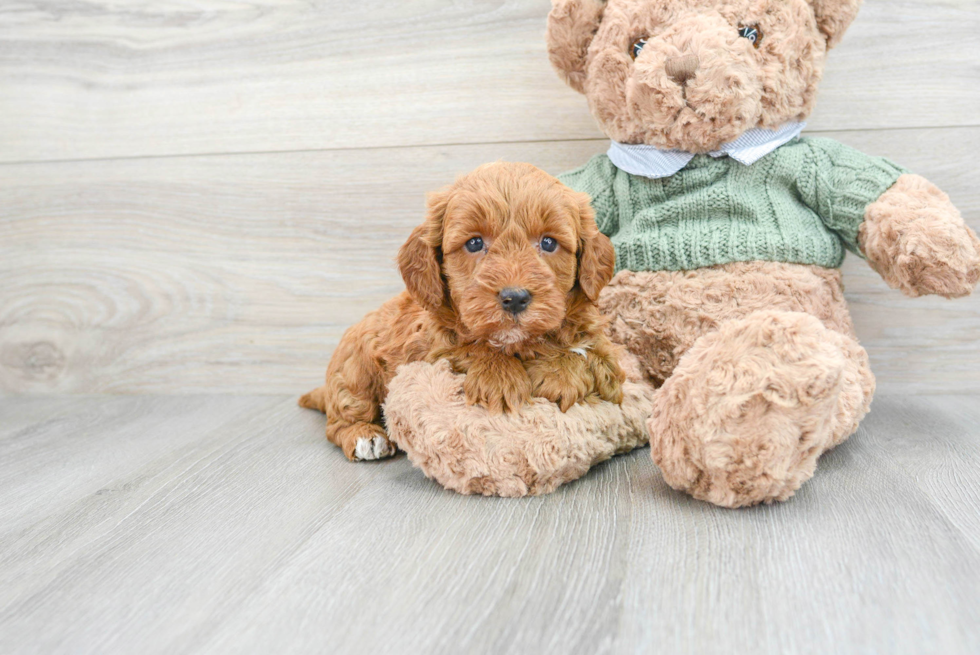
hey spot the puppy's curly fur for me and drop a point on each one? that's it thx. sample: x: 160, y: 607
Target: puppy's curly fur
x: 556, y: 348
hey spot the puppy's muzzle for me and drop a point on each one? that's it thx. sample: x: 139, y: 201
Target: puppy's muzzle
x: 514, y: 301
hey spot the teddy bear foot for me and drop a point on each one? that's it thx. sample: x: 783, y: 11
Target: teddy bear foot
x: 751, y: 407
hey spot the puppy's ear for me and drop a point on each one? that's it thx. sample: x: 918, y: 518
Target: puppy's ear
x: 834, y: 17
x: 420, y: 258
x: 596, y: 257
x: 571, y: 26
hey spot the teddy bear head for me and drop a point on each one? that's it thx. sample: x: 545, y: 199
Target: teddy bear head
x: 694, y: 74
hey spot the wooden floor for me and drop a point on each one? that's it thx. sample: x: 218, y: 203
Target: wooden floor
x: 204, y: 524
x: 198, y: 196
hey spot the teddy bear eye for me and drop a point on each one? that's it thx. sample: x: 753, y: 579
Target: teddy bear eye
x: 474, y: 245
x: 637, y: 47
x: 751, y: 33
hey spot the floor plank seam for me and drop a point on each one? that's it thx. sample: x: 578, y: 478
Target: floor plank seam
x: 407, y: 146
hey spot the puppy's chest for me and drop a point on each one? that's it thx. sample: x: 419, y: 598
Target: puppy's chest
x: 544, y: 350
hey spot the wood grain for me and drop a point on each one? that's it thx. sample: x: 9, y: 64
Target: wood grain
x: 17, y: 414
x: 101, y: 78
x: 132, y: 261
x: 228, y: 524
x: 79, y: 437
x: 934, y: 443
x: 238, y: 274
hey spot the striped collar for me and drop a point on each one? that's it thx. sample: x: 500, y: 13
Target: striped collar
x: 651, y: 161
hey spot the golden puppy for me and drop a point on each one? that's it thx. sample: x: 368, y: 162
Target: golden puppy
x: 502, y: 278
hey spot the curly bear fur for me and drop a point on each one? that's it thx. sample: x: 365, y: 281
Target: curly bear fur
x: 917, y: 241
x: 734, y: 89
x: 471, y: 451
x: 667, y: 311
x: 760, y: 369
x: 751, y: 407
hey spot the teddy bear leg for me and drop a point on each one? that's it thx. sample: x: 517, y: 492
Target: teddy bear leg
x: 751, y: 406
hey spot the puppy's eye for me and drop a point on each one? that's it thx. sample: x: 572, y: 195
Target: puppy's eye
x: 548, y: 244
x: 637, y: 47
x: 474, y: 245
x: 751, y: 33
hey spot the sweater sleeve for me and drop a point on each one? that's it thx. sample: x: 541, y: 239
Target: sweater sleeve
x: 596, y: 179
x: 838, y: 183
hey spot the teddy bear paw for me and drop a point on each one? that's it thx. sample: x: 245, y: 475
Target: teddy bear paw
x: 918, y: 242
x: 752, y: 406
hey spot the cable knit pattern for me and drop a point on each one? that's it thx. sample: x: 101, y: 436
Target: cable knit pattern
x: 803, y: 203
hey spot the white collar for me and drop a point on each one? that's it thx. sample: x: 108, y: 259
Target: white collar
x: 651, y: 161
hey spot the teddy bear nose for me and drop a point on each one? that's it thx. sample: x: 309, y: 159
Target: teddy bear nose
x: 515, y: 301
x: 681, y: 69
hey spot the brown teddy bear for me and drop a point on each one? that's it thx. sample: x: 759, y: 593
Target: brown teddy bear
x: 729, y: 230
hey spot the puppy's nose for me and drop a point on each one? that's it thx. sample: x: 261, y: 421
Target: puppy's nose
x: 514, y: 301
x: 681, y: 69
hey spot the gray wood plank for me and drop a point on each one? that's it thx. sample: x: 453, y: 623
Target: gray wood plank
x: 94, y: 78
x: 130, y: 463
x: 17, y: 413
x: 935, y: 443
x: 238, y: 274
x: 862, y: 561
x: 70, y: 454
x: 268, y: 540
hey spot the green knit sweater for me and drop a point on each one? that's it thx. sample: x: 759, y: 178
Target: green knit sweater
x: 802, y: 203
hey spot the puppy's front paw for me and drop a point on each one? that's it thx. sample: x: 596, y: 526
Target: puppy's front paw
x: 562, y: 380
x: 609, y: 378
x: 500, y: 385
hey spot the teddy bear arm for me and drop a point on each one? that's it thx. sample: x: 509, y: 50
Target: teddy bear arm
x: 916, y: 239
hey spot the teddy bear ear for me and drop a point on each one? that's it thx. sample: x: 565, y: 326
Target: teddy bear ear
x: 834, y: 17
x: 571, y: 26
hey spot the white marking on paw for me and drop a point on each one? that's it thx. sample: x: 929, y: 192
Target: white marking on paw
x: 374, y: 448
x: 383, y: 448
